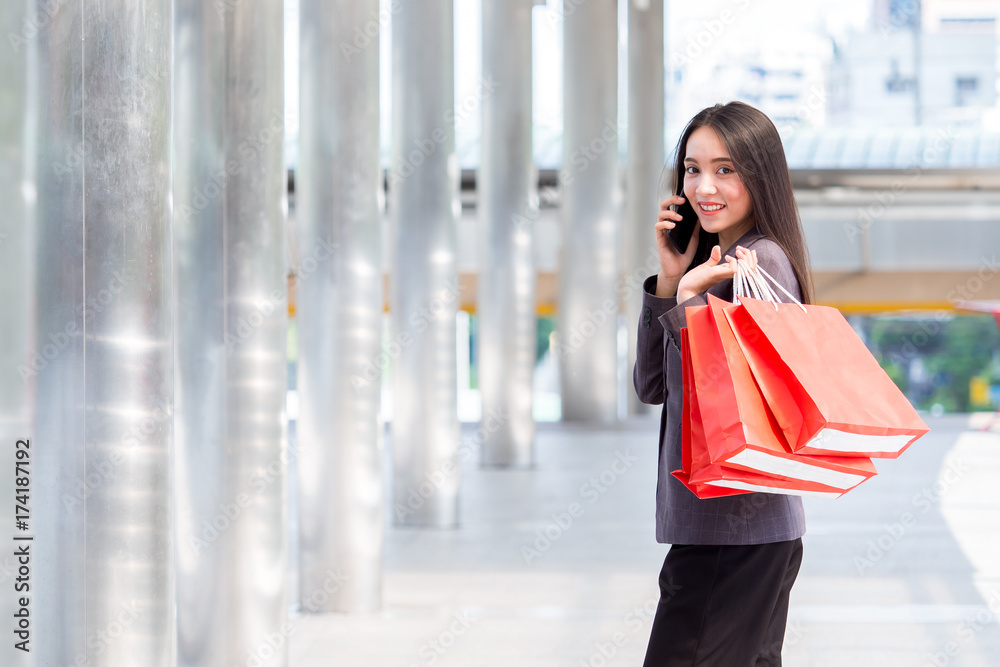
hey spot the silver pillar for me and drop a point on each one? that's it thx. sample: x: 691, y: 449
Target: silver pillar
x: 256, y: 318
x: 200, y: 178
x: 645, y: 163
x: 17, y: 188
x: 507, y: 207
x: 424, y: 210
x: 339, y: 304
x: 588, y: 299
x: 58, y: 371
x: 105, y: 314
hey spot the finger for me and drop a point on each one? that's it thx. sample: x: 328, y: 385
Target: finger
x: 715, y: 256
x: 671, y: 215
x: 747, y: 256
x: 670, y: 201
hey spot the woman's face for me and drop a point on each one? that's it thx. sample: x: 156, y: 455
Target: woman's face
x: 712, y: 186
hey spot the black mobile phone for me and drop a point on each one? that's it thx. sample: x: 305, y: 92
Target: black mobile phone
x: 680, y: 235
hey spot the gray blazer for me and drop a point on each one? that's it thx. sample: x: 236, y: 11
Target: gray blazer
x: 682, y: 518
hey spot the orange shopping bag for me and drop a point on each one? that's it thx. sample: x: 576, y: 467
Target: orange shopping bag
x: 739, y: 428
x: 692, y: 433
x: 742, y: 462
x: 826, y: 391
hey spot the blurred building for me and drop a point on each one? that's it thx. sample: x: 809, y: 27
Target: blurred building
x: 932, y: 63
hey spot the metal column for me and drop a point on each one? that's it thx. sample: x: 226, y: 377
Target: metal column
x: 424, y: 209
x: 339, y: 307
x: 588, y: 299
x: 105, y: 319
x: 17, y: 297
x: 57, y: 357
x: 507, y: 204
x: 200, y: 179
x: 645, y: 163
x: 256, y: 318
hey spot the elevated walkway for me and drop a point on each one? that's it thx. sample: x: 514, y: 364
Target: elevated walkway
x: 556, y: 566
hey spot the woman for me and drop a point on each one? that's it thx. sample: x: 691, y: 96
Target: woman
x: 725, y: 581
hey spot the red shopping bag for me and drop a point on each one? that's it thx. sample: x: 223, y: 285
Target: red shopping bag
x: 750, y: 468
x: 740, y: 430
x: 692, y: 433
x: 825, y: 389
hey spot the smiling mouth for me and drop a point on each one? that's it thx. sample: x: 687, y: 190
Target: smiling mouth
x: 710, y: 208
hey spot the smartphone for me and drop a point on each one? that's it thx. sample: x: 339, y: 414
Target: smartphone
x: 680, y: 235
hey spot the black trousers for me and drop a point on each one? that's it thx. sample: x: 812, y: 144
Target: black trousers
x: 723, y: 606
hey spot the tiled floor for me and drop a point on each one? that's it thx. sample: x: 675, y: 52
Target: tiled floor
x: 900, y: 571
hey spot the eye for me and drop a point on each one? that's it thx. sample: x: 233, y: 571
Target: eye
x: 691, y: 169
x: 726, y: 170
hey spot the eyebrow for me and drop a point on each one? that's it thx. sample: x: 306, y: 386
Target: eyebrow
x: 715, y: 159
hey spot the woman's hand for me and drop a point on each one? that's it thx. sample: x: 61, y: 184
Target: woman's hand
x: 672, y: 263
x: 712, y: 272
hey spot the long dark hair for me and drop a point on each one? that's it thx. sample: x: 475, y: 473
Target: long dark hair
x: 755, y: 149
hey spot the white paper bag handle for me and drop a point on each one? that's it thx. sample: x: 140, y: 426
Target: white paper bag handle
x: 747, y: 283
x: 779, y: 286
x: 751, y: 283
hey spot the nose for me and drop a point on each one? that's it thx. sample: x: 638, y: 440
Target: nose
x: 705, y: 186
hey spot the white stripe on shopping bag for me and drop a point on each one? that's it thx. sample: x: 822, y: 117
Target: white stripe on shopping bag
x: 744, y: 486
x: 841, y: 441
x: 795, y: 469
